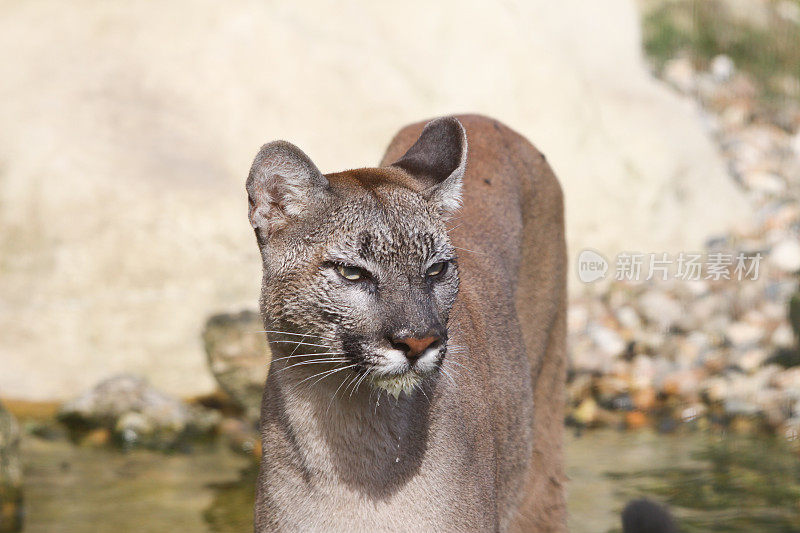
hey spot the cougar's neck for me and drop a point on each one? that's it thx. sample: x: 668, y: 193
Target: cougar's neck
x: 365, y: 438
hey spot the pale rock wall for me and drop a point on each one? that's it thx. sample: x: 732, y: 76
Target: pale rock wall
x: 127, y: 129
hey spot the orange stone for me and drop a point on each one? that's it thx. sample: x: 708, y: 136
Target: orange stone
x: 635, y: 420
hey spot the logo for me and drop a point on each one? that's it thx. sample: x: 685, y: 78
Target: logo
x: 591, y: 266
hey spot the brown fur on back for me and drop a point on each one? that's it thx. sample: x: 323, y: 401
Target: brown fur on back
x: 513, y: 214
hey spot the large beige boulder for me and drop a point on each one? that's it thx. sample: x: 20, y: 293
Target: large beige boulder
x: 128, y: 129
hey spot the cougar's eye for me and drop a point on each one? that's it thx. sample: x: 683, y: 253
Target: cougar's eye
x: 436, y: 269
x: 351, y: 273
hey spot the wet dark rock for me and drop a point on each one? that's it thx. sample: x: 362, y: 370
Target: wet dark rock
x: 238, y: 355
x: 127, y: 410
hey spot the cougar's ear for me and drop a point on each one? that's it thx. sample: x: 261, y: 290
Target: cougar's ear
x: 438, y: 160
x: 282, y: 184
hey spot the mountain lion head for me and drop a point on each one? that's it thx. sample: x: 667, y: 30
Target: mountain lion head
x: 359, y: 272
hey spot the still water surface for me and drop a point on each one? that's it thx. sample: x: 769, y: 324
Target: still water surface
x: 711, y: 483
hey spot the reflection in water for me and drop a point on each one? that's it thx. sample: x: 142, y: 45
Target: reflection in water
x: 711, y: 484
x: 743, y: 484
x: 232, y: 508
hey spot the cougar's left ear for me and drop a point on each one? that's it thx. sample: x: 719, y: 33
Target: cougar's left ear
x: 438, y: 160
x: 283, y: 185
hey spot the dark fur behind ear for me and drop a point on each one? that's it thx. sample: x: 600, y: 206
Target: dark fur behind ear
x: 283, y: 182
x: 438, y: 160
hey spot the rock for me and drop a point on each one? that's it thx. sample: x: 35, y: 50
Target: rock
x: 182, y: 112
x: 643, y: 372
x: 628, y: 318
x: 239, y: 356
x: 606, y: 340
x: 587, y: 359
x: 743, y: 335
x: 579, y: 388
x: 136, y: 414
x: 586, y: 412
x: 788, y: 10
x: 786, y: 255
x: 764, y: 182
x: 660, y: 309
x: 11, y: 511
x: 97, y: 438
x: 790, y: 430
x: 610, y: 386
x: 693, y: 412
x: 788, y: 379
x: 752, y: 359
x: 241, y: 436
x: 635, y: 420
x: 679, y: 73
x: 773, y: 405
x: 722, y: 68
x: 717, y: 388
x: 644, y: 399
x: 683, y: 383
x: 577, y: 318
x: 783, y: 336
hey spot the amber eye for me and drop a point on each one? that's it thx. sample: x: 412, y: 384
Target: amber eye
x: 350, y: 273
x: 436, y: 269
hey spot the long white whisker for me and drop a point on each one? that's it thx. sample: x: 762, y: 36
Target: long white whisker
x: 291, y: 333
x: 360, y: 380
x: 307, y: 354
x: 315, y: 362
x: 299, y: 343
x: 422, y: 390
x: 326, y: 374
x: 345, y: 380
x: 459, y: 364
x: 446, y: 373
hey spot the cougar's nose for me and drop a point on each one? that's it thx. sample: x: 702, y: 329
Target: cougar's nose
x: 413, y: 347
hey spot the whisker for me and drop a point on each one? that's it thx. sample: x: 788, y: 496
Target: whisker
x: 459, y: 364
x: 307, y: 354
x: 360, y: 380
x: 292, y: 333
x: 421, y: 388
x: 301, y: 343
x: 337, y: 391
x: 446, y: 373
x: 298, y: 345
x: 325, y: 374
x: 456, y: 226
x: 315, y: 362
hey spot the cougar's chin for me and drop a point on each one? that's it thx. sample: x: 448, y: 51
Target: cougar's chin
x: 397, y: 383
x: 405, y: 380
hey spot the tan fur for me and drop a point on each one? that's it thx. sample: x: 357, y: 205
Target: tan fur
x: 481, y: 451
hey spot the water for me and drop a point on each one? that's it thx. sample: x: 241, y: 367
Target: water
x: 711, y: 483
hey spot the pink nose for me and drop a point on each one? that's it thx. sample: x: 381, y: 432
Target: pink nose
x: 412, y: 346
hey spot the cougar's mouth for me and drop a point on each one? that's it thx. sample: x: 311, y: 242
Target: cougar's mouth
x: 389, y: 368
x: 397, y: 383
x: 394, y: 373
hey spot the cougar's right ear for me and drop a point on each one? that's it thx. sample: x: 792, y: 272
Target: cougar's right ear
x: 438, y: 160
x: 282, y: 184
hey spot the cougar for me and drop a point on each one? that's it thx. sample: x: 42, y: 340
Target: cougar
x: 416, y: 315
